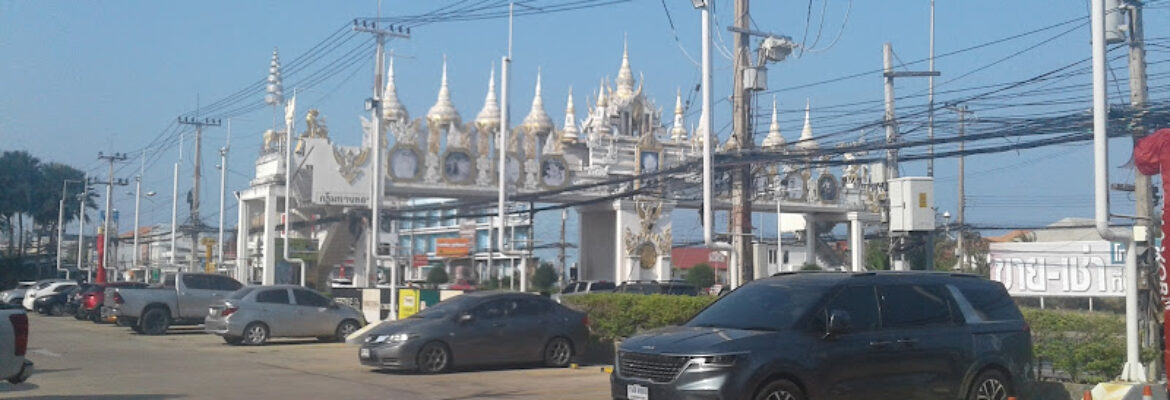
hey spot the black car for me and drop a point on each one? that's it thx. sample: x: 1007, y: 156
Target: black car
x: 55, y: 304
x: 478, y: 328
x: 655, y: 287
x: 831, y: 335
x: 73, y: 303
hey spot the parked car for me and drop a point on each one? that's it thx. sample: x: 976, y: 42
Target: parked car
x: 576, y: 288
x: 30, y: 295
x: 655, y: 287
x: 54, y: 303
x: 183, y: 299
x: 73, y: 302
x: 827, y: 335
x: 16, y: 295
x: 478, y: 328
x: 92, y: 298
x: 13, y: 344
x: 47, y: 289
x: 254, y: 314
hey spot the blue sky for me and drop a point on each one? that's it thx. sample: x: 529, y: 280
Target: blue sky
x: 83, y: 77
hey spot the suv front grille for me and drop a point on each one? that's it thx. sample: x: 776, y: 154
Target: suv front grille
x: 652, y: 367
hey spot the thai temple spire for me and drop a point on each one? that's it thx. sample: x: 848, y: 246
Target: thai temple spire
x: 275, y: 94
x: 489, y: 117
x: 538, y: 121
x: 774, y: 140
x: 392, y: 109
x: 601, y: 120
x: 625, y: 77
x: 678, y: 132
x: 807, y: 142
x: 569, y: 132
x: 443, y: 112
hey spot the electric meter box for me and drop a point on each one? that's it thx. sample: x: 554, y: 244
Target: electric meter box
x: 911, y: 204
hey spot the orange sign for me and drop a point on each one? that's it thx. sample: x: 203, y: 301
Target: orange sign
x: 420, y: 260
x: 452, y: 247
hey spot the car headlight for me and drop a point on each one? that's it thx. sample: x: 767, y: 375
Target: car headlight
x: 395, y: 338
x: 717, y: 361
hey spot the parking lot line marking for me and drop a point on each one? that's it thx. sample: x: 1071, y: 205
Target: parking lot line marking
x: 44, y: 352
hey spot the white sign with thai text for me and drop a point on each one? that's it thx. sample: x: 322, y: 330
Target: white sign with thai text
x: 1060, y: 269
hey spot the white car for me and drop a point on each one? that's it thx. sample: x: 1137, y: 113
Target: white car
x: 45, y: 288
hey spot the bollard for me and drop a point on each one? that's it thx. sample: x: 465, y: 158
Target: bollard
x: 1147, y: 394
x: 1088, y: 396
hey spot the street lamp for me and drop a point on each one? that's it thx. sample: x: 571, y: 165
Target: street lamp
x: 61, y: 222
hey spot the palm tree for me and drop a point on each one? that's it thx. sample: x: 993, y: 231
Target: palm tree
x: 19, y: 176
x: 47, y: 197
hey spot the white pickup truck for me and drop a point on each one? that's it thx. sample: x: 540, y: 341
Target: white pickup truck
x: 13, y: 343
x: 183, y: 299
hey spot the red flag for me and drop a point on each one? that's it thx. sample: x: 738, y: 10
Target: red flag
x: 1152, y: 156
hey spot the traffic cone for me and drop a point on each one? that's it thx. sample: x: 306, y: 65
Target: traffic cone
x: 1088, y: 396
x: 1147, y: 394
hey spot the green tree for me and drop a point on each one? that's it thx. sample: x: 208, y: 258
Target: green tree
x: 877, y: 254
x: 701, y: 275
x: 47, y: 196
x: 19, y: 176
x: 545, y: 276
x: 437, y: 275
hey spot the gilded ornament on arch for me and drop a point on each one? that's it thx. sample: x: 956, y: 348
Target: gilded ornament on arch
x: 350, y: 163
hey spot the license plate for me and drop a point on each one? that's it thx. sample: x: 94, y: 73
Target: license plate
x: 637, y: 392
x: 364, y: 353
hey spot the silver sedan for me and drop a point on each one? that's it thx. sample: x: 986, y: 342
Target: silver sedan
x: 254, y: 314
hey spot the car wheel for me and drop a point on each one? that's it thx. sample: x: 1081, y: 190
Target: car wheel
x: 558, y: 352
x: 434, y: 358
x: 255, y: 334
x: 233, y: 340
x: 156, y: 321
x: 346, y: 328
x: 780, y: 389
x: 80, y: 315
x: 57, y: 310
x: 990, y: 385
x: 136, y: 328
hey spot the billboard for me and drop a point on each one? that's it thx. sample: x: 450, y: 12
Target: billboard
x: 339, y: 174
x: 452, y: 247
x: 1060, y: 269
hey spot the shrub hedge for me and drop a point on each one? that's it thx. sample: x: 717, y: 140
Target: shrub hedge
x: 1087, y: 346
x: 617, y: 315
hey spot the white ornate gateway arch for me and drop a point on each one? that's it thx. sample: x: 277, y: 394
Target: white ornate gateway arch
x: 621, y: 135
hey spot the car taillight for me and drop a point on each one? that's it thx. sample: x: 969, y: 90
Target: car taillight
x: 20, y: 327
x: 228, y: 311
x: 118, y: 298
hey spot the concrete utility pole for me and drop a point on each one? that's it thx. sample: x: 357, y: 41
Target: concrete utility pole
x: 137, y: 204
x: 110, y: 182
x: 61, y: 224
x: 960, y: 251
x: 81, y: 198
x: 195, y: 222
x: 223, y: 152
x: 1142, y: 192
x: 930, y: 100
x: 892, y: 137
x: 741, y: 178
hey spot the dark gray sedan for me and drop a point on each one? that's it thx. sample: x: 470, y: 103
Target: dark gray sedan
x: 479, y: 328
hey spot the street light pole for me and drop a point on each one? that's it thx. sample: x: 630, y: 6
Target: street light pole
x: 61, y: 224
x: 81, y: 227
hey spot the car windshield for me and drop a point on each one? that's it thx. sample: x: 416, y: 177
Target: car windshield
x: 763, y: 305
x: 444, y: 308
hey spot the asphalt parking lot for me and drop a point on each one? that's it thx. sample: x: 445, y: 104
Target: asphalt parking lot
x: 81, y: 360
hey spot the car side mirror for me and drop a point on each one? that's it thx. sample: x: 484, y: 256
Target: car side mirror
x: 839, y: 323
x: 464, y: 318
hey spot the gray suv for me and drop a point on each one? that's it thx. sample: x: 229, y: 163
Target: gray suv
x: 828, y: 336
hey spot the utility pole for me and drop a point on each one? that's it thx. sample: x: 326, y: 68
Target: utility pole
x: 930, y: 100
x: 892, y: 137
x: 61, y: 224
x: 1143, y: 200
x: 81, y: 198
x: 223, y: 152
x: 960, y: 251
x: 195, y: 222
x: 741, y: 178
x: 137, y: 204
x: 564, y: 266
x: 175, y: 203
x: 110, y: 182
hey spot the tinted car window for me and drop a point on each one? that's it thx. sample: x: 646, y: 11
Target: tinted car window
x: 169, y: 281
x: 602, y: 286
x: 530, y: 307
x: 63, y: 288
x: 274, y: 296
x: 861, y: 304
x: 571, y: 288
x: 491, y: 310
x: 197, y: 282
x: 444, y: 308
x: 905, y: 306
x: 761, y: 305
x: 307, y: 298
x: 224, y: 283
x: 239, y: 294
x: 991, y: 302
